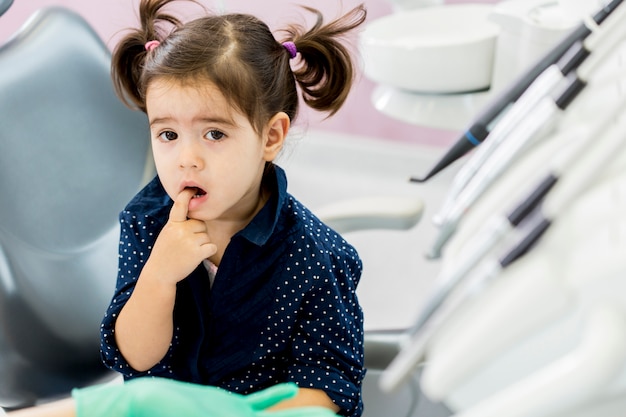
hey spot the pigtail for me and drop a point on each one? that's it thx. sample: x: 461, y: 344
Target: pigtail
x: 325, y: 71
x: 130, y: 54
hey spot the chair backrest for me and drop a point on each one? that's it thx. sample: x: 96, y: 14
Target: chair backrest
x: 71, y: 156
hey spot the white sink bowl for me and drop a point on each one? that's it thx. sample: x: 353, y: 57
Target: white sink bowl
x: 438, y: 49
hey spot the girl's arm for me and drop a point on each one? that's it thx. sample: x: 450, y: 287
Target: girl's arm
x: 308, y: 397
x: 144, y: 328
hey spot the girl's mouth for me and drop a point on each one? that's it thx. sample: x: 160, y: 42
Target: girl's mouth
x: 199, y: 192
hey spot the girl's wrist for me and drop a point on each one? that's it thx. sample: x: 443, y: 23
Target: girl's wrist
x: 151, y: 279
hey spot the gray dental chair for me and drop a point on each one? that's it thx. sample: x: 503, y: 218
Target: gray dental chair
x: 71, y: 156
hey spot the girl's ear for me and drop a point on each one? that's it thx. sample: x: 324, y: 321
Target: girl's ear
x: 277, y: 129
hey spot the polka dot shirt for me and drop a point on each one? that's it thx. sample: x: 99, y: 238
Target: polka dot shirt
x: 282, y: 306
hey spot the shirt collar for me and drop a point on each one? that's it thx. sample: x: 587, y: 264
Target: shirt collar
x: 259, y: 230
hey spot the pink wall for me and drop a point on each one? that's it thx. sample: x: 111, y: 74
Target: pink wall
x: 357, y: 117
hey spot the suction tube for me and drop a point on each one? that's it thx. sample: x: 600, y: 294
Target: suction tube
x: 481, y: 126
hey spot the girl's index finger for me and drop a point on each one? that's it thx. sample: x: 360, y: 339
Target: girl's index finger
x: 179, y: 210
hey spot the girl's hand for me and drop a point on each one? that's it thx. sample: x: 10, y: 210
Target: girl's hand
x: 182, y: 244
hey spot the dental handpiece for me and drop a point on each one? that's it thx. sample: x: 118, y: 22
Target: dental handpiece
x: 569, y: 61
x: 579, y: 169
x: 509, y: 122
x: 526, y: 132
x: 481, y: 126
x: 581, y: 179
x: 487, y: 239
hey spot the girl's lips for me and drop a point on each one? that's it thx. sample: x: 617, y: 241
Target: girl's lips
x: 200, y: 194
x: 197, y: 201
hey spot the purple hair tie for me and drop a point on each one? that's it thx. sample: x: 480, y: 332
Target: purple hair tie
x: 291, y: 48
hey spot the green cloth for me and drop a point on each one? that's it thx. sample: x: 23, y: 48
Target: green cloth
x: 161, y: 397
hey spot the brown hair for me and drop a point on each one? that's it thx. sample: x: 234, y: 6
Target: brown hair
x: 239, y: 54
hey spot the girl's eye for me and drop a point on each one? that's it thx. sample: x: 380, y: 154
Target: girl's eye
x: 168, y: 136
x: 214, y: 135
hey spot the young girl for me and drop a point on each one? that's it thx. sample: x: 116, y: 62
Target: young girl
x: 225, y: 279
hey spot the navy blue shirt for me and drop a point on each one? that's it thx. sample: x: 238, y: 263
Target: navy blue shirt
x: 283, y: 305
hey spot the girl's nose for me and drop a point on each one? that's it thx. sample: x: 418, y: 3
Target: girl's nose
x: 190, y: 155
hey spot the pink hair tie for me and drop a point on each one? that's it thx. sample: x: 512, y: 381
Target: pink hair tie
x: 291, y: 48
x: 150, y: 45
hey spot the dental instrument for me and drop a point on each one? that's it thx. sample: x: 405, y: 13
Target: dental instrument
x: 482, y: 124
x: 574, y: 174
x: 592, y: 162
x: 541, y: 118
x: 540, y: 87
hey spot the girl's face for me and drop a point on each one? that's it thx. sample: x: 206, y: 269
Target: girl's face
x: 199, y: 141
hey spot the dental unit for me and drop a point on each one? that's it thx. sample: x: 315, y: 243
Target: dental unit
x: 566, y: 179
x: 482, y: 125
x: 535, y: 234
x: 519, y: 134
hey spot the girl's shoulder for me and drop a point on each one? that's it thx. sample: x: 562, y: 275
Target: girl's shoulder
x: 312, y: 231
